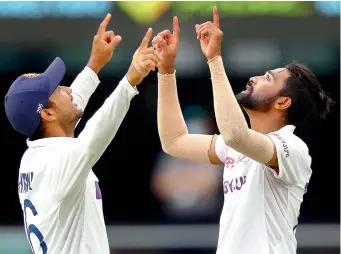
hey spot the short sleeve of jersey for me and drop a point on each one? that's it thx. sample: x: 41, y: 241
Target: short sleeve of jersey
x: 221, y: 148
x: 294, y: 161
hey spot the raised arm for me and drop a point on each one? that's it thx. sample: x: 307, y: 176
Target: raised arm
x: 230, y: 119
x: 77, y: 160
x: 102, y: 127
x: 174, y: 136
x: 87, y: 81
x: 83, y: 87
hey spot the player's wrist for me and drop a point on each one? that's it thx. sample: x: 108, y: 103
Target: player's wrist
x: 213, y: 57
x: 94, y: 66
x: 166, y: 69
x: 133, y: 76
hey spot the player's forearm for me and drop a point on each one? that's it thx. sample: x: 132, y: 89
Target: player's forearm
x: 84, y: 86
x: 173, y: 132
x: 171, y: 123
x: 102, y: 127
x: 231, y: 121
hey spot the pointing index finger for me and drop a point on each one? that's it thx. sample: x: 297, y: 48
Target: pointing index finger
x: 216, y: 17
x: 176, y: 28
x: 146, y: 39
x: 103, y: 26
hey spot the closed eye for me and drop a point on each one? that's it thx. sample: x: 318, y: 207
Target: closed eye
x: 267, y: 77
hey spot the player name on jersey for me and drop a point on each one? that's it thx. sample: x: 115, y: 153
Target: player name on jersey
x: 25, y: 180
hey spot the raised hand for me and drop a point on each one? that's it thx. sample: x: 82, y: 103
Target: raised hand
x: 167, y: 45
x: 103, y: 46
x: 144, y: 60
x: 210, y: 36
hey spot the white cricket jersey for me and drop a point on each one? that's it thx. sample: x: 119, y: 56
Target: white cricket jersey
x: 58, y: 191
x: 261, y: 204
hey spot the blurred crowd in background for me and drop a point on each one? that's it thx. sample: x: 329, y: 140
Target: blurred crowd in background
x: 154, y: 203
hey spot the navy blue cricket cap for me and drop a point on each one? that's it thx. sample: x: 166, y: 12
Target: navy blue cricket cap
x: 29, y: 94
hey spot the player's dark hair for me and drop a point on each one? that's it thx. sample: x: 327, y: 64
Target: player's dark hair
x: 40, y: 131
x: 306, y: 93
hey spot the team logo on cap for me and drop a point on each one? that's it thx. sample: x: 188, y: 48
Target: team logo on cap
x: 31, y: 75
x: 39, y: 108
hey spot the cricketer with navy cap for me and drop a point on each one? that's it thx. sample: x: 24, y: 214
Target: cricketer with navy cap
x: 58, y: 191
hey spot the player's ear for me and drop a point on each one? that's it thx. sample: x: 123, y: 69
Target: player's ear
x: 48, y: 114
x: 283, y: 103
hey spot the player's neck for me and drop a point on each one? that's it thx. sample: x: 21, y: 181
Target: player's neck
x: 59, y: 131
x: 265, y: 122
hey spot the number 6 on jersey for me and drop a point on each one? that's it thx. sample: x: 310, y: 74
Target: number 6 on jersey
x: 32, y: 229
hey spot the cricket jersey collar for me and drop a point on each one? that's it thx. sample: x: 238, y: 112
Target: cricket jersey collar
x: 53, y: 141
x: 290, y: 128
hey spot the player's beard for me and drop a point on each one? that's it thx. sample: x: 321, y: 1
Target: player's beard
x: 255, y: 101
